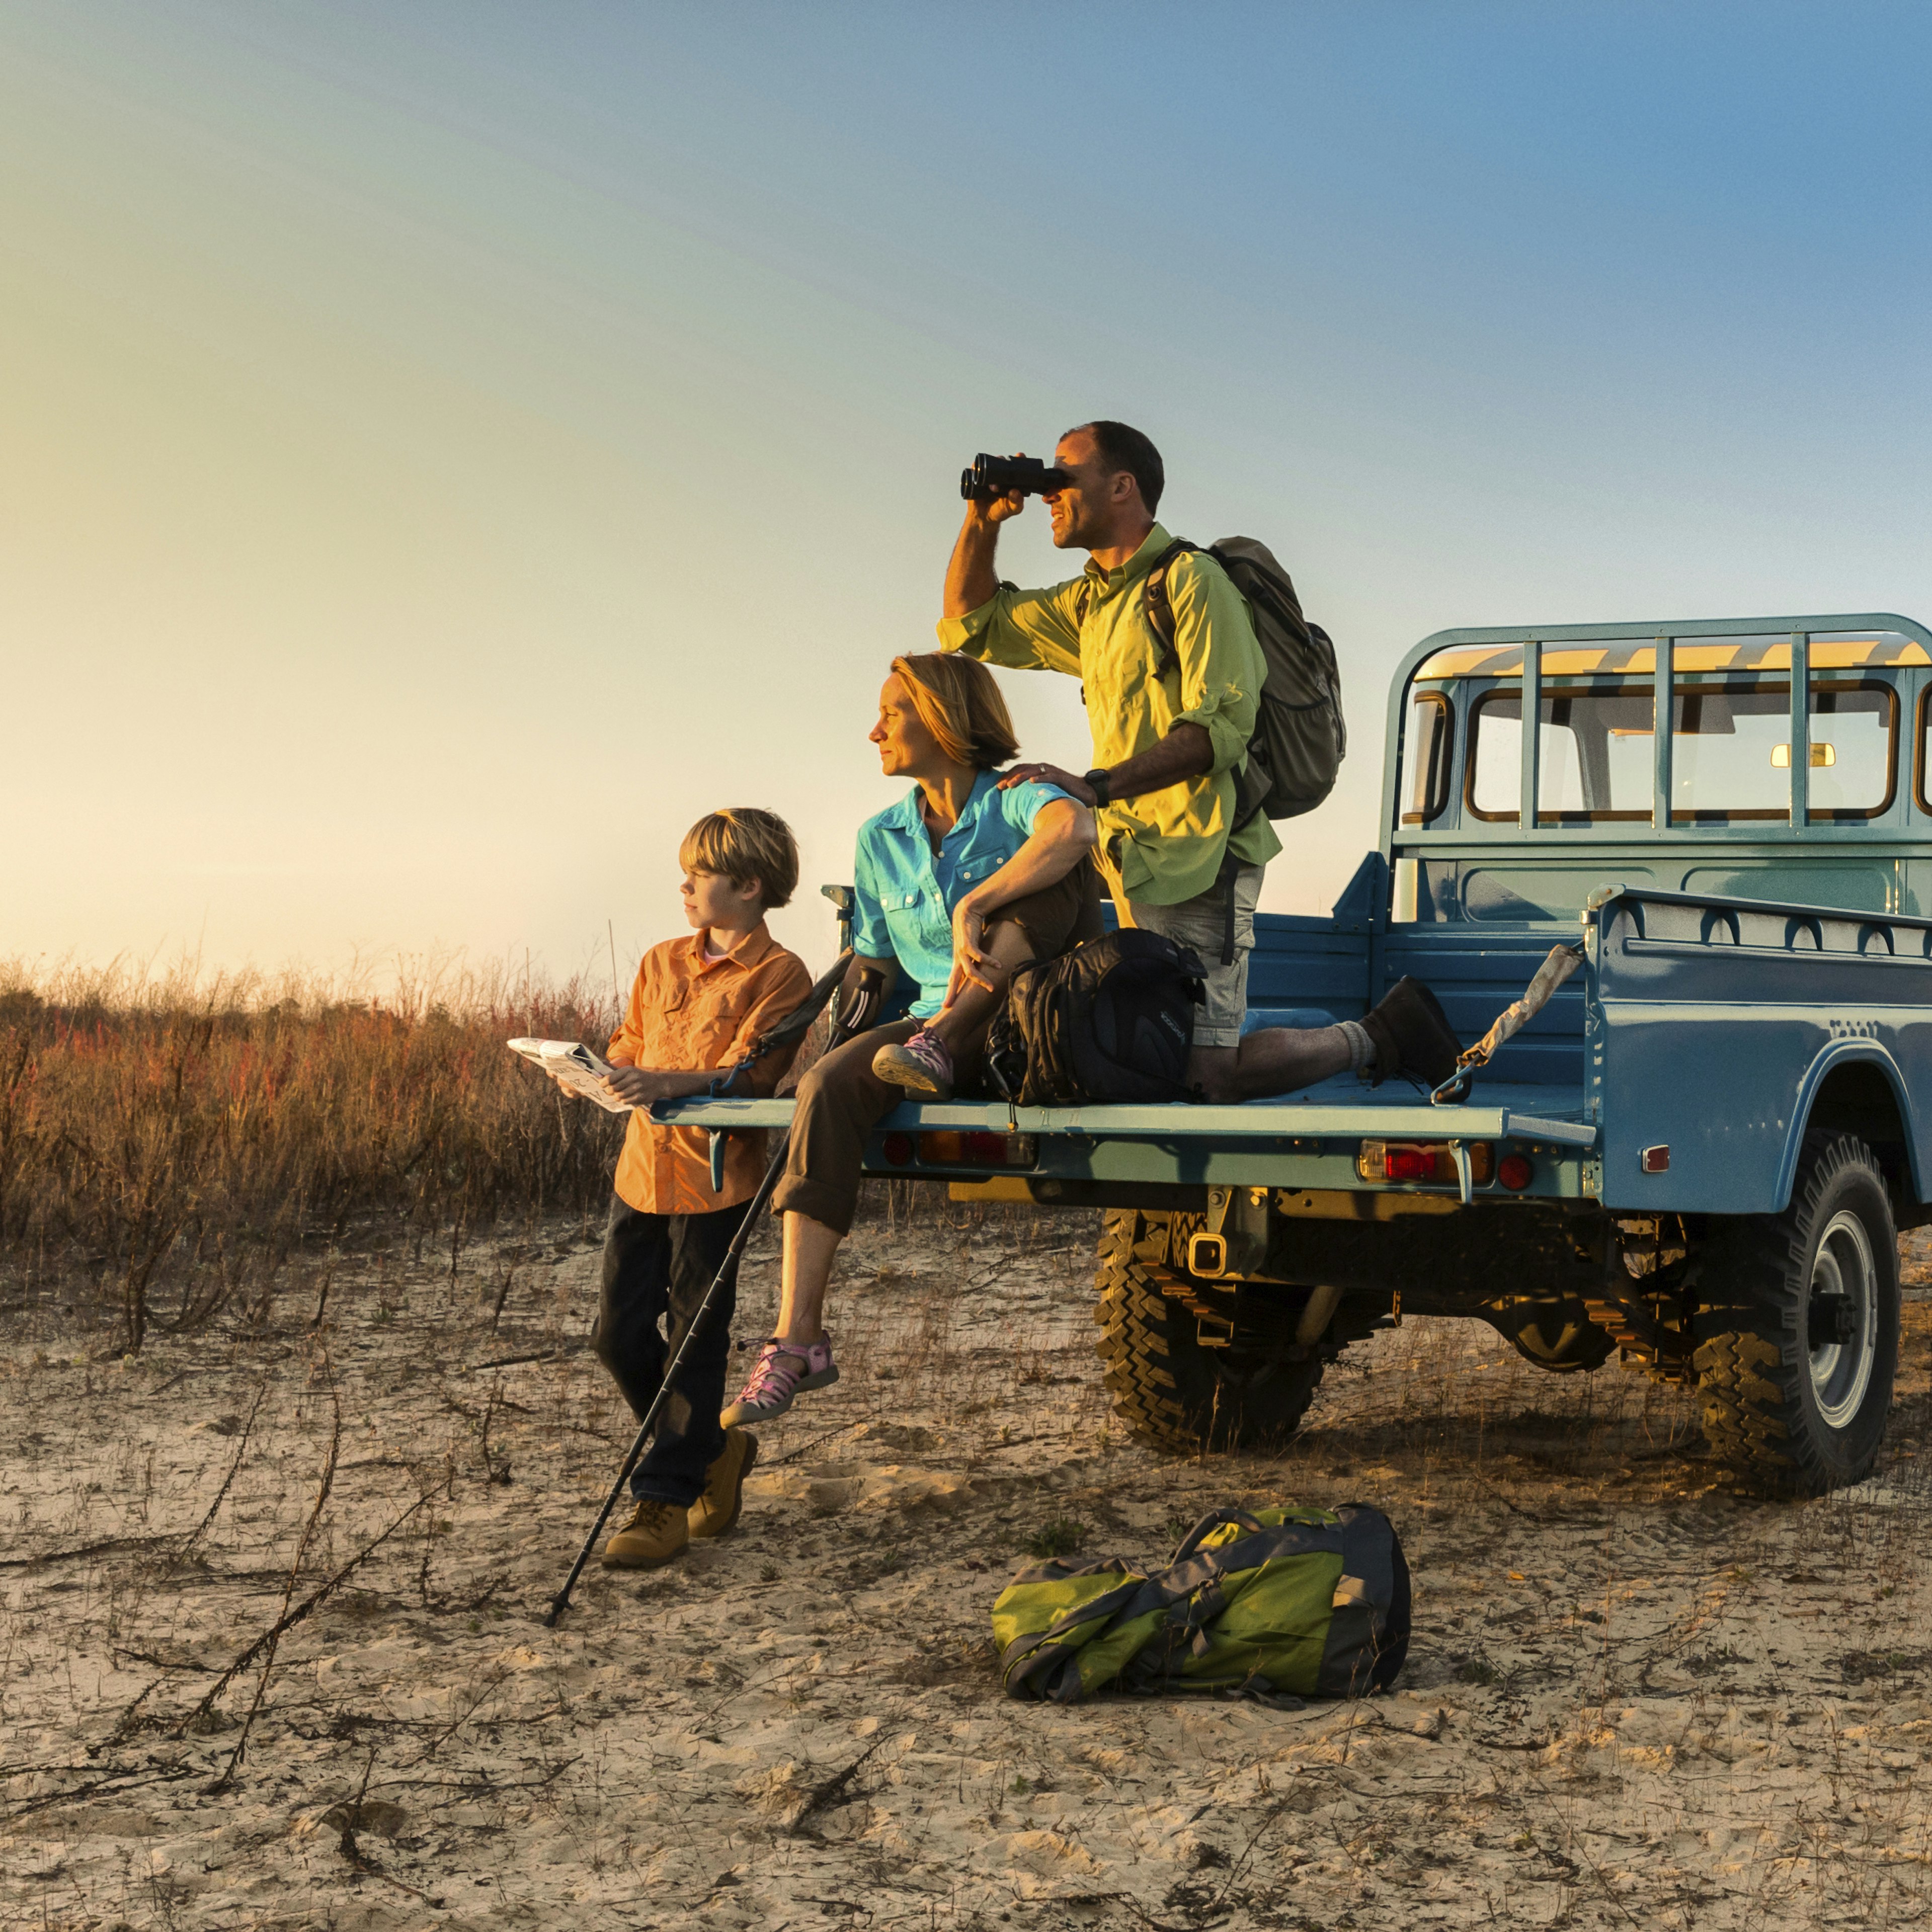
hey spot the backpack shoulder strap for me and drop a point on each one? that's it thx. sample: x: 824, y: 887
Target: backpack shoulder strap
x: 1160, y: 608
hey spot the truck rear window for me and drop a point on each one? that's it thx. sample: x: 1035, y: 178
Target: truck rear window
x: 1594, y: 757
x: 1730, y: 753
x: 1428, y: 747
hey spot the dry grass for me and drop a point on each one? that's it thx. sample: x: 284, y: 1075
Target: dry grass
x: 171, y: 1143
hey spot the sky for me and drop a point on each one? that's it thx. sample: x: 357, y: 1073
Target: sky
x: 446, y: 448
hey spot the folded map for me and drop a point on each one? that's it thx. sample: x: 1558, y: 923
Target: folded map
x: 577, y: 1067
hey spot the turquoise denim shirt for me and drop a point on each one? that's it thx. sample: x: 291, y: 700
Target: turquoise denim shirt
x: 906, y: 892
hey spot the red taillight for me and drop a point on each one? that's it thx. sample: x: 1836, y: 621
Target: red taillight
x: 1515, y: 1172
x: 1425, y: 1162
x: 951, y: 1146
x: 948, y: 1147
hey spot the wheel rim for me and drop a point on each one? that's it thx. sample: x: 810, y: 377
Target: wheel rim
x: 1842, y: 1270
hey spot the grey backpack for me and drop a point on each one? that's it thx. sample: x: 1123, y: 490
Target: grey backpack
x: 1300, y: 739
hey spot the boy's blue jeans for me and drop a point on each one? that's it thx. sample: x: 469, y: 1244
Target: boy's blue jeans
x: 656, y: 1265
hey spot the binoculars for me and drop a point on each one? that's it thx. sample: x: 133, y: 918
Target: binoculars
x: 993, y: 477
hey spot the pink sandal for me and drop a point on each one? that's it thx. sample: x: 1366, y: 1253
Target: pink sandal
x: 784, y: 1369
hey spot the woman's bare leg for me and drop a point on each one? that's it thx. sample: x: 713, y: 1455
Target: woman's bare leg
x: 809, y: 1246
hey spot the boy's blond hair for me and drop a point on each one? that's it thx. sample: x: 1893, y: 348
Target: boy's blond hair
x: 746, y: 845
x: 958, y: 701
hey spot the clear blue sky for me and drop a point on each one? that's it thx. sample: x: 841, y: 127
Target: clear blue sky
x: 448, y: 447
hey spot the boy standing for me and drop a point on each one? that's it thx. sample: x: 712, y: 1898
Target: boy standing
x: 697, y: 1005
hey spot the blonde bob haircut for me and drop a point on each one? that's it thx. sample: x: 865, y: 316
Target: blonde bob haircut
x: 747, y: 846
x: 957, y: 699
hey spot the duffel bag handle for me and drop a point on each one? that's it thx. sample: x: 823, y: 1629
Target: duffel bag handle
x: 1209, y: 1523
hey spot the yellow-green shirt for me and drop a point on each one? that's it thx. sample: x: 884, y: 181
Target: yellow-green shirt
x: 1166, y: 845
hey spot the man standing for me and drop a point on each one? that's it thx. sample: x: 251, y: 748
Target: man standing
x: 1170, y: 732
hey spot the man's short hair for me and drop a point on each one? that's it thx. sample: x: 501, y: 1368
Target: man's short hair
x: 1121, y: 447
x: 746, y: 845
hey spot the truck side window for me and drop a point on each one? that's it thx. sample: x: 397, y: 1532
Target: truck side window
x: 1594, y: 759
x: 1731, y: 751
x: 1432, y: 736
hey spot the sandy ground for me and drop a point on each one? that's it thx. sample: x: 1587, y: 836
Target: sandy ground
x: 1633, y: 1698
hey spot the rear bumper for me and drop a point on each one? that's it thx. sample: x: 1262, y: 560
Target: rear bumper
x: 1114, y: 1156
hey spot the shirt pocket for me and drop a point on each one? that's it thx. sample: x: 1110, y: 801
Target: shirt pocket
x: 662, y: 1013
x: 721, y: 1011
x: 912, y: 915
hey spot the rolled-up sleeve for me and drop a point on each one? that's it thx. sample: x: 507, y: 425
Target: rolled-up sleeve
x: 1021, y: 805
x: 1221, y: 663
x: 1025, y: 630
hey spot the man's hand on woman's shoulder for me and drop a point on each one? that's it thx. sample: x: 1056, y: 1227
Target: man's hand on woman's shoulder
x: 1070, y: 782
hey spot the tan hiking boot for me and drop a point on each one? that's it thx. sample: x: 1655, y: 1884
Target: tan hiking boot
x: 656, y: 1533
x: 716, y: 1511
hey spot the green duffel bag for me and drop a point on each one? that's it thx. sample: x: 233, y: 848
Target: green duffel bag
x: 1303, y: 1603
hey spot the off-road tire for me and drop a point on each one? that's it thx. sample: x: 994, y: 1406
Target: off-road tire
x: 1791, y: 1417
x: 1559, y: 1336
x: 1171, y: 1390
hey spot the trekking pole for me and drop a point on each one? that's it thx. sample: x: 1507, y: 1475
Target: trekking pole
x: 561, y: 1601
x: 856, y: 1013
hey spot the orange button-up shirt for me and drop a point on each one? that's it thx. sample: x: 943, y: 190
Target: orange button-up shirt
x: 689, y: 1013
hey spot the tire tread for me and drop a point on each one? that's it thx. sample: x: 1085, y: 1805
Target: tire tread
x: 1141, y: 1345
x: 1752, y: 1351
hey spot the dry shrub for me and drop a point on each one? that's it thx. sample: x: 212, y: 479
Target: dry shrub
x: 199, y: 1130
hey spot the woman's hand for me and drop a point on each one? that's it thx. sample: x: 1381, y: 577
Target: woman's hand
x: 972, y: 964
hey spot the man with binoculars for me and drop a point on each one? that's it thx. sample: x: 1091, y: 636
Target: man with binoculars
x: 1171, y: 729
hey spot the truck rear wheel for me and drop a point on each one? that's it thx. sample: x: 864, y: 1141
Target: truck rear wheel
x: 1797, y: 1325
x: 1171, y: 1390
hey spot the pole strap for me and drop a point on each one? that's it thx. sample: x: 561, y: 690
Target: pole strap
x: 1563, y: 961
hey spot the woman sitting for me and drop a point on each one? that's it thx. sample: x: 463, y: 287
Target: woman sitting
x: 960, y: 882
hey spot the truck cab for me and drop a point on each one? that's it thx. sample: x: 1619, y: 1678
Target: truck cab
x: 1697, y: 1154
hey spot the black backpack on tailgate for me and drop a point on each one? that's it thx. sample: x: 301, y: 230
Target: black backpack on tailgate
x: 1299, y: 740
x: 1111, y: 1020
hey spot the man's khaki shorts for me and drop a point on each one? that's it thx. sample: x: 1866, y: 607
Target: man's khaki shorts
x: 1201, y: 924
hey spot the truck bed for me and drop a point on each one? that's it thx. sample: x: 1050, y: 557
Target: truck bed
x: 1304, y: 971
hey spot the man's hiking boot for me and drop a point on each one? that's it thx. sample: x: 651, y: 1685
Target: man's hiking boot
x: 716, y: 1511
x: 784, y: 1369
x: 922, y: 1067
x: 1412, y: 1035
x: 656, y: 1533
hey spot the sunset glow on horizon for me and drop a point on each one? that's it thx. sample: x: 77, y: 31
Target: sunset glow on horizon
x: 450, y: 449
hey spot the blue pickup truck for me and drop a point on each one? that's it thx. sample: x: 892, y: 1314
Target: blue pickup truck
x: 1701, y: 1149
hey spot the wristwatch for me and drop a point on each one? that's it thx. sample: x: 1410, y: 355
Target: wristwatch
x: 1099, y: 778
